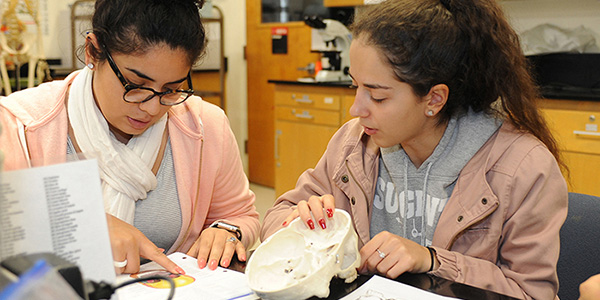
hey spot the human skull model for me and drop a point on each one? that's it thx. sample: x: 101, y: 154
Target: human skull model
x: 297, y: 263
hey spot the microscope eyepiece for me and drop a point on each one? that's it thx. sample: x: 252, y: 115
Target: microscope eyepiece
x: 315, y: 22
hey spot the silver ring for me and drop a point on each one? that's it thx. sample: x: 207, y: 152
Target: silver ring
x: 381, y: 254
x: 120, y: 264
x: 232, y: 239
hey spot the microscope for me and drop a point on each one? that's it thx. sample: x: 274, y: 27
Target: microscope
x: 334, y: 49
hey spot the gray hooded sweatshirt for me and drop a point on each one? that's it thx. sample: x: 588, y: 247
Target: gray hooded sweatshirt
x: 399, y: 206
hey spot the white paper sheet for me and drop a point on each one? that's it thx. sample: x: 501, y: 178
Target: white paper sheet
x: 57, y: 209
x: 380, y: 288
x: 220, y: 284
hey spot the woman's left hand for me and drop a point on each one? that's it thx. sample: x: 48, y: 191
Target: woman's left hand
x: 391, y: 255
x: 216, y: 246
x: 590, y: 289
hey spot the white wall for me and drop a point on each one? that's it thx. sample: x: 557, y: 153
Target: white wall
x: 55, y: 16
x: 237, y: 91
x: 526, y: 14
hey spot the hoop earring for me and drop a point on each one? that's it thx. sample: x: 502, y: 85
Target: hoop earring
x: 91, y: 66
x: 430, y: 113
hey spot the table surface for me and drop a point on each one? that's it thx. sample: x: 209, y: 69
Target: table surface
x: 338, y: 288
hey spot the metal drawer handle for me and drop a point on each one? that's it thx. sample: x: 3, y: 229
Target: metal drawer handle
x: 304, y: 115
x: 304, y: 99
x: 588, y: 133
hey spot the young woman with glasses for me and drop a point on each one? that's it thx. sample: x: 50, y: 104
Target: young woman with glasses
x: 171, y: 172
x: 448, y: 167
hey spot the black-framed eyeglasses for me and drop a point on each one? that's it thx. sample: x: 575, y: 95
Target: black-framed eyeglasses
x: 140, y: 94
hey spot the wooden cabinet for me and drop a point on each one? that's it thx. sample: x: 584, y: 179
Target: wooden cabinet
x: 264, y: 65
x: 332, y: 3
x: 306, y: 117
x: 575, y: 126
x: 347, y: 101
x: 210, y: 85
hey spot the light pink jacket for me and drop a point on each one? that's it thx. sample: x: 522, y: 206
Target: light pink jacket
x: 210, y: 179
x: 500, y: 228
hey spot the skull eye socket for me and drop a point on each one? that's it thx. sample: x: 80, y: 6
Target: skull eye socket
x: 349, y: 259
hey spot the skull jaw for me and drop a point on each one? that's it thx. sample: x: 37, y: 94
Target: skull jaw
x: 352, y: 256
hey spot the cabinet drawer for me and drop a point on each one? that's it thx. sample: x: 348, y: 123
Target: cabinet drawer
x: 304, y: 115
x: 308, y: 100
x: 576, y: 131
x: 582, y: 171
x: 328, y: 3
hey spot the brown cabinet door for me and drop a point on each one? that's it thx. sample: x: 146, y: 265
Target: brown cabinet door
x: 299, y: 146
x: 584, y: 177
x: 263, y: 65
x: 576, y: 128
x: 332, y: 3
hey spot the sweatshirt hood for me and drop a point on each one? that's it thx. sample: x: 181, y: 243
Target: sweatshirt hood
x: 424, y: 191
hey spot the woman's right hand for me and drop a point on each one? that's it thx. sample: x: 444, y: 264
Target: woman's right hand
x: 128, y: 243
x: 318, y: 206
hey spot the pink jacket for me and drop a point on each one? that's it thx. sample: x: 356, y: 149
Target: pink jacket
x: 211, y: 181
x: 500, y: 228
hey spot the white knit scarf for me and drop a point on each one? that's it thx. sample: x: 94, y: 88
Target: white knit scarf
x: 125, y: 170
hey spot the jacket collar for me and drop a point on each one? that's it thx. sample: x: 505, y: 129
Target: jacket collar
x: 187, y: 117
x: 356, y: 158
x: 355, y: 161
x: 473, y: 199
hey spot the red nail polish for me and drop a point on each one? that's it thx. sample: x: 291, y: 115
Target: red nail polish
x: 322, y: 223
x: 180, y: 271
x: 311, y: 224
x: 201, y: 263
x: 284, y: 223
x: 330, y: 213
x: 212, y: 265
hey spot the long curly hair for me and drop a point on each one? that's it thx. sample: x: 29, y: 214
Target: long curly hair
x: 467, y: 45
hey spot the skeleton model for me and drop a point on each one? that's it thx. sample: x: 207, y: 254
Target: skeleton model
x: 21, y: 40
x: 297, y: 263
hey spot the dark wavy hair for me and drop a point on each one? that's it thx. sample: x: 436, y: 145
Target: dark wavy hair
x: 467, y: 45
x: 132, y: 26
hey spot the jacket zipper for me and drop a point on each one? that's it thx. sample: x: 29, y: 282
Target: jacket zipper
x: 22, y: 131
